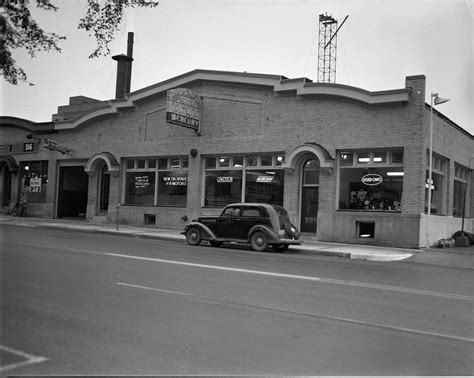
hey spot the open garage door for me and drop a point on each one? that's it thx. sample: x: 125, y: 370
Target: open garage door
x: 72, y: 195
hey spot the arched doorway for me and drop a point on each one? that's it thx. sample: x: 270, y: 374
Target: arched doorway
x: 104, y: 189
x: 310, y: 195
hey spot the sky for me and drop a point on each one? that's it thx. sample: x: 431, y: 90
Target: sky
x: 381, y: 42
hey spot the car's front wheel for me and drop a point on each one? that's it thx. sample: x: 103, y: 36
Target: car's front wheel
x: 280, y: 247
x: 258, y: 241
x: 193, y: 236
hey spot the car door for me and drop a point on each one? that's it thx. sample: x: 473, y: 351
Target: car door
x: 226, y: 223
x: 250, y: 216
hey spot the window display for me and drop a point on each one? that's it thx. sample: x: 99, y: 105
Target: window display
x: 150, y: 184
x: 251, y: 178
x: 378, y: 186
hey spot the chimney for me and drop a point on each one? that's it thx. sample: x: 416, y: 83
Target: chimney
x: 130, y: 55
x: 124, y: 69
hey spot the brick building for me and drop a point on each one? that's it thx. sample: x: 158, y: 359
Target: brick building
x: 349, y: 165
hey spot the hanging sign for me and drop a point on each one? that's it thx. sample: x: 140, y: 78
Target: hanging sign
x: 372, y: 179
x: 35, y: 184
x: 183, y: 108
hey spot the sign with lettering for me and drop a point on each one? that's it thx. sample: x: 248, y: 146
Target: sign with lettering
x: 222, y: 179
x: 54, y: 146
x: 19, y: 148
x: 183, y: 108
x: 173, y: 180
x: 265, y: 178
x: 372, y: 179
x: 35, y: 184
x: 142, y: 182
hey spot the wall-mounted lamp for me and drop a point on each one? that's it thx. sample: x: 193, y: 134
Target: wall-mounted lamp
x: 193, y: 152
x: 31, y: 136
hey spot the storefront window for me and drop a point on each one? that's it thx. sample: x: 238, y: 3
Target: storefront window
x: 223, y: 187
x: 264, y: 186
x: 34, y: 180
x: 258, y: 181
x: 376, y: 187
x: 437, y: 185
x: 140, y: 188
x: 147, y: 184
x: 461, y: 195
x: 172, y: 188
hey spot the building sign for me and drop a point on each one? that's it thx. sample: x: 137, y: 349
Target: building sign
x: 35, y: 184
x: 19, y: 148
x: 372, y: 179
x: 183, y: 108
x: 53, y: 146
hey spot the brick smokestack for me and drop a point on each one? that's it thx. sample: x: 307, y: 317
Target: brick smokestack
x: 130, y: 55
x: 124, y: 69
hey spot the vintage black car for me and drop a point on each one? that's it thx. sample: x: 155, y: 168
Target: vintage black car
x: 257, y: 224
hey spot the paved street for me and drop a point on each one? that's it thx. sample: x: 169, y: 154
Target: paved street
x: 84, y: 303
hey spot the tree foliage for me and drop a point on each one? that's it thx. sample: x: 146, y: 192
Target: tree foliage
x: 18, y: 30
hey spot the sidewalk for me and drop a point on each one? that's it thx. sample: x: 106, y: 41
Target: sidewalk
x: 454, y: 257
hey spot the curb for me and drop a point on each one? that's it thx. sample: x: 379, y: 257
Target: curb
x: 305, y: 249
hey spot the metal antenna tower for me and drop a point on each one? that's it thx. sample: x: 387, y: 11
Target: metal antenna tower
x: 327, y: 47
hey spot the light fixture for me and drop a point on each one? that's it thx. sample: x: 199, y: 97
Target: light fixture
x: 435, y: 100
x: 395, y: 173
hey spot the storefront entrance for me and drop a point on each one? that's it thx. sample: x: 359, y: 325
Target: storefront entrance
x: 72, y: 193
x: 310, y: 196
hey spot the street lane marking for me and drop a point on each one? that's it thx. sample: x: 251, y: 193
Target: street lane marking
x: 307, y: 278
x: 309, y: 314
x: 30, y: 359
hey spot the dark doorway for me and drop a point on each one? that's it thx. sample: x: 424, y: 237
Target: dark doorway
x: 310, y: 196
x: 309, y: 209
x: 104, y: 190
x: 72, y: 194
x: 6, y: 185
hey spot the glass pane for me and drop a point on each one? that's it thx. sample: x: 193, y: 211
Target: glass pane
x: 223, y: 187
x: 185, y: 163
x: 152, y: 163
x: 140, y: 188
x: 211, y: 162
x: 279, y: 160
x: 141, y: 164
x: 130, y: 164
x: 163, y: 163
x: 264, y: 187
x: 267, y: 160
x: 238, y: 161
x: 224, y: 162
x: 363, y: 158
x: 380, y: 157
x: 172, y: 188
x: 252, y: 161
x: 174, y: 163
x: 346, y: 158
x: 397, y: 156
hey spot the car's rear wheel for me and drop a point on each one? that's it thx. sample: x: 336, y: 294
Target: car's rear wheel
x: 215, y: 243
x: 258, y: 241
x: 280, y: 247
x: 193, y: 236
